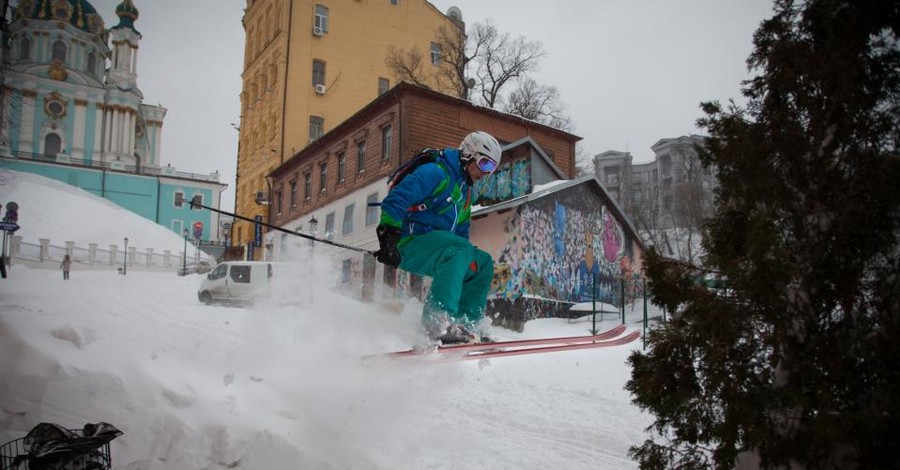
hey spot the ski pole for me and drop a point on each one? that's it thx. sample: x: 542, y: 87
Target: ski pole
x: 195, y: 203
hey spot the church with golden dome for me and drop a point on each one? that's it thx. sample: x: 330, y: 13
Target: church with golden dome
x: 71, y: 109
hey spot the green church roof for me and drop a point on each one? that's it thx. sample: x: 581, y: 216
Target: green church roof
x: 79, y: 13
x: 127, y: 14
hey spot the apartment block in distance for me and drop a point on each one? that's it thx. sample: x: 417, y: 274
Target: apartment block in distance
x: 308, y: 66
x: 673, y: 190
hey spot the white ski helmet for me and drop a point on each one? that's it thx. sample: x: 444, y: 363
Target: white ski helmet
x: 480, y: 145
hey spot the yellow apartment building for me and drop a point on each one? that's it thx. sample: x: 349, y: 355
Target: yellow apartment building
x: 309, y: 65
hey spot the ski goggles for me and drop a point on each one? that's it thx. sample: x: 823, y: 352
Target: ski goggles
x: 485, y: 164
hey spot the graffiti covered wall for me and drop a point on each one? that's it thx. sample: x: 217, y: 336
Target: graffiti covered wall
x: 507, y: 183
x: 552, y: 248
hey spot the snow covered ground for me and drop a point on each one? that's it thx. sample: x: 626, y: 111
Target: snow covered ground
x: 285, y: 384
x: 60, y: 212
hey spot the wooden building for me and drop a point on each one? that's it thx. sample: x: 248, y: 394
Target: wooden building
x: 335, y: 181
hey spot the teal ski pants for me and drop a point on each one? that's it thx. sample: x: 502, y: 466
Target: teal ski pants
x: 461, y: 275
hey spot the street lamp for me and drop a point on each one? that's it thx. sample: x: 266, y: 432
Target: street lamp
x: 125, y: 266
x: 313, y: 226
x: 227, y: 227
x: 184, y: 255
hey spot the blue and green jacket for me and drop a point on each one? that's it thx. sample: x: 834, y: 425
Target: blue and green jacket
x: 434, y: 196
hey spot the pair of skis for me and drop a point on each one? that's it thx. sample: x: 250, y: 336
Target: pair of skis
x: 519, y: 347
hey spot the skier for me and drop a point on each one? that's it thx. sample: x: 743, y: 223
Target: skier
x: 424, y: 229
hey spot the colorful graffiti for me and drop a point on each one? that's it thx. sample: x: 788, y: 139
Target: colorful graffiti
x: 507, y: 183
x: 556, y: 247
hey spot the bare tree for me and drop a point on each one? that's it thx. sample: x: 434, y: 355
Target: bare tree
x: 584, y: 164
x: 485, y: 61
x: 500, y: 60
x: 692, y: 204
x: 456, y: 56
x: 540, y: 103
x: 409, y: 66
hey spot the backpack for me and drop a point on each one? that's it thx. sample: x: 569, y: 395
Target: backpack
x: 424, y: 156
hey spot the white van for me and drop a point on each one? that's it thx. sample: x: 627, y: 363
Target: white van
x: 235, y: 282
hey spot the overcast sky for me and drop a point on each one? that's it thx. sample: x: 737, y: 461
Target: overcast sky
x: 629, y: 71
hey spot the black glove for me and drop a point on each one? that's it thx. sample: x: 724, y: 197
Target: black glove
x: 388, y: 237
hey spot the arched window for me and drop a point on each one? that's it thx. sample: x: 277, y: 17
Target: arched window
x: 92, y: 64
x: 25, y: 49
x: 52, y: 145
x: 59, y: 51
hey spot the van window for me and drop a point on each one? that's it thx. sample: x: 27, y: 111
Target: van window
x: 219, y: 272
x: 240, y: 274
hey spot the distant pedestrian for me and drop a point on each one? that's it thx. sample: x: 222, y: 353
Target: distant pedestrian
x: 65, y: 265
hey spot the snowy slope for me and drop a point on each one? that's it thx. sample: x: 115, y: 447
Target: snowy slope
x: 285, y: 384
x: 60, y: 212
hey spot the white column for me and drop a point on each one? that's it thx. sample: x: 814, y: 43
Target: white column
x: 129, y: 132
x: 107, y: 133
x: 77, y: 147
x: 158, y: 142
x: 99, y: 120
x: 134, y: 69
x: 126, y: 134
x: 117, y: 133
x: 26, y: 143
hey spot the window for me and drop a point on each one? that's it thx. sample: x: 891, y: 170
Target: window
x: 25, y: 49
x: 342, y: 163
x: 316, y: 127
x: 293, y: 193
x: 383, y: 86
x: 92, y: 63
x: 279, y: 203
x: 395, y: 2
x: 346, y: 269
x: 318, y: 72
x: 371, y: 209
x: 435, y: 54
x: 321, y: 20
x: 361, y: 156
x: 329, y: 226
x: 177, y: 226
x: 307, y: 186
x: 219, y: 272
x: 52, y: 145
x: 348, y: 220
x: 387, y: 137
x: 198, y: 198
x: 59, y: 51
x: 240, y: 274
x: 323, y: 176
x: 179, y: 199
